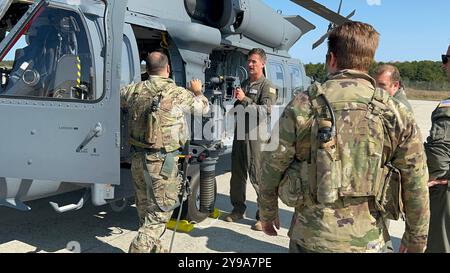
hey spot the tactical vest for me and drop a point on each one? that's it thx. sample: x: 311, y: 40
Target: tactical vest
x: 346, y: 159
x: 154, y: 124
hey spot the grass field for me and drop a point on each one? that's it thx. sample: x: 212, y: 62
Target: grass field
x: 414, y: 94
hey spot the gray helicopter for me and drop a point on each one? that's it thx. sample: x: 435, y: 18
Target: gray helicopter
x: 63, y: 63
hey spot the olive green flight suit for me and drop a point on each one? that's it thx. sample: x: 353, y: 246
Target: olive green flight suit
x: 437, y: 148
x: 246, y: 153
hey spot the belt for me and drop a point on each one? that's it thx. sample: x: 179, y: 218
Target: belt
x: 138, y: 146
x: 147, y: 150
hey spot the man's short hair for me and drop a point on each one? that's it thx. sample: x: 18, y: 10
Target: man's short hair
x: 354, y: 45
x: 156, y: 62
x: 260, y: 52
x: 395, y: 74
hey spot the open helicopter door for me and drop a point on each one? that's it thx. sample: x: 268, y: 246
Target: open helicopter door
x: 71, y: 130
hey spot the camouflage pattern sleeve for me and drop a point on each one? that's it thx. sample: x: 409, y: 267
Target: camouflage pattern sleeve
x: 188, y: 101
x: 409, y: 158
x: 125, y: 94
x: 291, y: 126
x: 400, y: 95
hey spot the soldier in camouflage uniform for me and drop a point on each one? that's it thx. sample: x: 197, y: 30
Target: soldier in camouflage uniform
x: 388, y: 78
x: 438, y: 155
x: 246, y: 153
x: 157, y: 131
x: 338, y: 172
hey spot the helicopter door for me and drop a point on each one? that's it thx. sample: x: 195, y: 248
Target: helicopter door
x: 68, y: 127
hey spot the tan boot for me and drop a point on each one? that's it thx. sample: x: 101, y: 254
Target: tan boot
x: 233, y: 217
x: 257, y: 226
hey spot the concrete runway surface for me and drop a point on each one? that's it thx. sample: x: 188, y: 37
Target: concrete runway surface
x: 99, y: 229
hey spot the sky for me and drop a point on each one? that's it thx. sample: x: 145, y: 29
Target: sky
x: 410, y: 30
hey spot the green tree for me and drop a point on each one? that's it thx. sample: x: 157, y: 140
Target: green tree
x: 316, y: 71
x: 419, y: 74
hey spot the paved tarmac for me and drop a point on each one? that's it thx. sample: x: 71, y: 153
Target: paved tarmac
x: 99, y: 229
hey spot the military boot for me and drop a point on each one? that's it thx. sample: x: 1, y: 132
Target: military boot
x: 234, y: 216
x: 257, y: 226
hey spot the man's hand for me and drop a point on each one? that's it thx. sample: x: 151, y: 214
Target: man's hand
x: 432, y: 183
x: 240, y: 95
x: 195, y: 86
x: 268, y: 227
x: 402, y: 249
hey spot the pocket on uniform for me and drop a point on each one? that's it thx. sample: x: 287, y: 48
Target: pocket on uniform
x: 290, y: 190
x: 154, y: 164
x: 170, y: 166
x: 390, y: 201
x: 172, y: 192
x: 437, y: 131
x: 166, y: 193
x: 329, y: 176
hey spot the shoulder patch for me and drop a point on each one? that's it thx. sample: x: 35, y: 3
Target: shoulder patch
x: 273, y: 90
x: 444, y: 103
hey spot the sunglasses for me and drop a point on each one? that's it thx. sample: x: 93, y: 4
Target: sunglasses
x: 445, y: 58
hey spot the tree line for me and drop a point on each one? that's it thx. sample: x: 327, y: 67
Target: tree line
x: 6, y: 64
x: 416, y: 73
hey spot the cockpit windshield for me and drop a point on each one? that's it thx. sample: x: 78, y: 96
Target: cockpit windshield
x: 51, y: 59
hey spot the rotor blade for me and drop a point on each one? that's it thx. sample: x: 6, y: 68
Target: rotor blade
x: 321, y: 11
x: 321, y: 40
x: 339, y: 9
x: 351, y: 14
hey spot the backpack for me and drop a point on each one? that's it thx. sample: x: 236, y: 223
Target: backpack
x: 346, y: 155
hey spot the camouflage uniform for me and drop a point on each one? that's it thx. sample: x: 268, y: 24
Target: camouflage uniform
x: 437, y: 148
x: 400, y: 95
x: 170, y: 135
x: 350, y: 223
x: 246, y: 154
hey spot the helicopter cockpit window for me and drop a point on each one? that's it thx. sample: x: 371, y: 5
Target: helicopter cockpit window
x: 51, y: 59
x: 127, y: 71
x: 276, y: 76
x: 296, y: 78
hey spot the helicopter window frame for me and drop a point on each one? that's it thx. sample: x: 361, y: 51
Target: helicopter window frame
x: 274, y: 69
x: 85, y: 34
x: 298, y: 77
x: 127, y: 55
